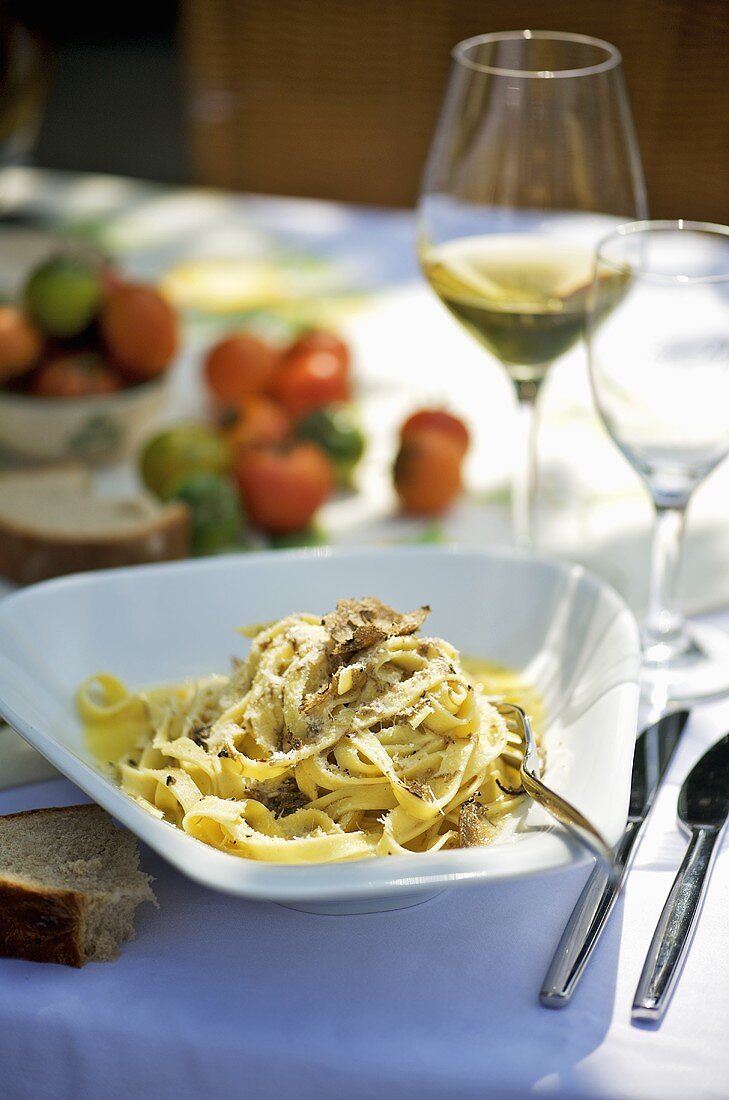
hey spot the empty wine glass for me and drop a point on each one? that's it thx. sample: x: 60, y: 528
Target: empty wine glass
x: 659, y: 364
x: 24, y: 79
x: 534, y: 160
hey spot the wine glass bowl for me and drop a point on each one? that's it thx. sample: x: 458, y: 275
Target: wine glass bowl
x: 534, y: 159
x: 659, y: 366
x: 652, y: 391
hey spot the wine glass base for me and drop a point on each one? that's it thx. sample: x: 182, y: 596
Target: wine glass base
x: 700, y: 672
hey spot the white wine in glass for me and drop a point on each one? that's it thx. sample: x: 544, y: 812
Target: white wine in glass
x: 533, y: 161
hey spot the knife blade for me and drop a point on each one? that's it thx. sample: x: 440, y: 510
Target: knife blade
x: 703, y: 808
x: 653, y: 752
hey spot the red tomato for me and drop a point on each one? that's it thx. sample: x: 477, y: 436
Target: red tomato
x: 308, y: 380
x: 140, y: 329
x: 259, y: 421
x: 282, y: 488
x: 20, y: 343
x: 437, y: 420
x: 77, y: 374
x: 238, y: 366
x: 428, y: 472
x: 321, y: 340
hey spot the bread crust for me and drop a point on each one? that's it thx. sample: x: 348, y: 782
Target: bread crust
x: 28, y: 556
x: 42, y: 925
x: 90, y: 808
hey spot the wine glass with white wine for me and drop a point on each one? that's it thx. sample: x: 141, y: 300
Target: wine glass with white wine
x: 534, y: 160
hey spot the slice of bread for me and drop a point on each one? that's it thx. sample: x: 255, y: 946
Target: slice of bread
x: 69, y: 885
x: 52, y: 522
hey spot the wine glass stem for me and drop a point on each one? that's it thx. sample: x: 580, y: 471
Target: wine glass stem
x: 664, y: 631
x: 524, y: 489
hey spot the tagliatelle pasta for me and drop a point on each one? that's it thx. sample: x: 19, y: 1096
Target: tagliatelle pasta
x: 336, y: 738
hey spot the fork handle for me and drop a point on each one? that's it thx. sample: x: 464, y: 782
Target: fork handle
x: 675, y: 926
x: 585, y: 925
x: 569, y: 816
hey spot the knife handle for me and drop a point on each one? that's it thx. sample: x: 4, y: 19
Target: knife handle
x: 585, y: 925
x: 676, y: 923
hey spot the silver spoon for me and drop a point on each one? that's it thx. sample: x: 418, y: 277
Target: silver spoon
x: 567, y: 814
x: 703, y: 809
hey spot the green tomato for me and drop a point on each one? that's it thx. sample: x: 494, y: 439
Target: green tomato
x: 335, y: 428
x: 64, y: 295
x: 178, y: 452
x: 217, y: 517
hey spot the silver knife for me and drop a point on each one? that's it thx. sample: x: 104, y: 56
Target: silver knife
x: 653, y: 751
x: 703, y: 808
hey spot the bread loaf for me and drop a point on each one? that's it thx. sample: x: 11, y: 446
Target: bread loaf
x: 52, y: 522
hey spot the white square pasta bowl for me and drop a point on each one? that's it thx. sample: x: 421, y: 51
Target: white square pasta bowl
x: 568, y: 632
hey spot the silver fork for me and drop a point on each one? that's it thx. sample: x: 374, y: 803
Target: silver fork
x: 522, y: 738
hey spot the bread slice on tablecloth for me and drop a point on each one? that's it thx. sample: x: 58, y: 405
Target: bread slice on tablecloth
x: 69, y: 885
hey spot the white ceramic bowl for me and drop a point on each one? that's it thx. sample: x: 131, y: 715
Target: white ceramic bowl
x: 104, y: 427
x: 567, y: 630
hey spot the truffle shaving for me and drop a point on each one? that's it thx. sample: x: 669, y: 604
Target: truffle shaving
x: 474, y: 827
x: 358, y: 624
